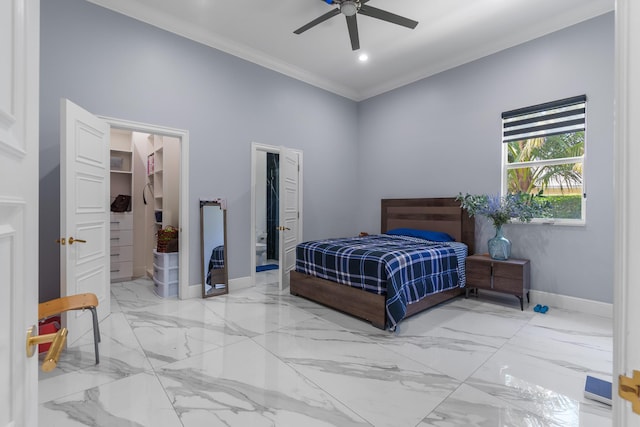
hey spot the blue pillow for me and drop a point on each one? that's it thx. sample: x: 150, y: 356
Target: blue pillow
x: 434, y: 236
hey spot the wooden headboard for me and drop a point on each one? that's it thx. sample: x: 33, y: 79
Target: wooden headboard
x: 437, y: 214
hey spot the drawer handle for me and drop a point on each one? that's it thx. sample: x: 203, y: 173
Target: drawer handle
x: 115, y: 238
x: 115, y: 271
x: 115, y: 254
x: 115, y: 222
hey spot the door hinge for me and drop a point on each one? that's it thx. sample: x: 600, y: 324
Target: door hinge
x: 629, y: 389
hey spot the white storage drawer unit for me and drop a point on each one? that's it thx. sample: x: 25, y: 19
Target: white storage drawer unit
x: 121, y: 246
x: 165, y: 260
x: 165, y: 290
x: 166, y: 273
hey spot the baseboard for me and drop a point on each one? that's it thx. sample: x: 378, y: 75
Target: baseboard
x: 582, y: 305
x: 565, y: 302
x: 193, y: 291
x: 240, y: 283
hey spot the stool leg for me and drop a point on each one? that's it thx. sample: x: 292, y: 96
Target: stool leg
x: 96, y: 332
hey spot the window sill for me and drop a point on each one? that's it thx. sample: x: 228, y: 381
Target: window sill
x: 556, y: 222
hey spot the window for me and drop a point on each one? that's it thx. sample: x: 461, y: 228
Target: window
x: 543, y: 150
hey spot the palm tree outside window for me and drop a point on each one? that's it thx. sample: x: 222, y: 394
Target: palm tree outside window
x: 544, y: 152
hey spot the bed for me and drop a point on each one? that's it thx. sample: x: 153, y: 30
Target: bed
x: 215, y: 272
x: 436, y: 214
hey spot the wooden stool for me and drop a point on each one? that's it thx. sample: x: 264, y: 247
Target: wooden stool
x: 74, y: 302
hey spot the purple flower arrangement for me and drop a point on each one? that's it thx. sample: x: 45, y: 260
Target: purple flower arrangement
x: 501, y: 209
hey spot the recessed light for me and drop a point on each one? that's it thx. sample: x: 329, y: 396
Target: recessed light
x: 363, y: 57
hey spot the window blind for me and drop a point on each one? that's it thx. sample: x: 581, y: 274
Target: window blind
x: 550, y: 118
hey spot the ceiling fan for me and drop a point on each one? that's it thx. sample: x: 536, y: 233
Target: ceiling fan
x: 349, y: 8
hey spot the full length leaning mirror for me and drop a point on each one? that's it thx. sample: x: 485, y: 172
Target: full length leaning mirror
x: 213, y: 245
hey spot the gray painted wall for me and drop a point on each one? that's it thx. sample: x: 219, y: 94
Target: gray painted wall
x: 441, y: 136
x: 118, y: 67
x: 399, y: 144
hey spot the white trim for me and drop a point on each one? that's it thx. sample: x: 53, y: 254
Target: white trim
x: 550, y: 162
x: 185, y: 291
x: 241, y: 283
x: 625, y: 244
x: 7, y: 201
x: 191, y: 291
x: 565, y: 302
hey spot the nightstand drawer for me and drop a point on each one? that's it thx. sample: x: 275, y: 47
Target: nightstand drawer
x: 478, y: 273
x: 507, y: 271
x: 503, y: 284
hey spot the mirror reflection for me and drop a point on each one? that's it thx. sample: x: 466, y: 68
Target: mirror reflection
x: 213, y: 239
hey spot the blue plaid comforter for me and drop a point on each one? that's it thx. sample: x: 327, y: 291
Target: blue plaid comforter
x: 403, y: 268
x: 216, y: 261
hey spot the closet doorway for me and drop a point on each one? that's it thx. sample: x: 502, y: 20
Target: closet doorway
x: 276, y: 210
x: 150, y: 164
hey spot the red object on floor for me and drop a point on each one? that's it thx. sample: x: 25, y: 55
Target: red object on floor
x: 48, y: 326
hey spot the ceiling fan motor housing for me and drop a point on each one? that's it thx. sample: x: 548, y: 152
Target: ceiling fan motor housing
x: 349, y: 8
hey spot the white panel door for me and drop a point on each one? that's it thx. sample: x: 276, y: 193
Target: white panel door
x: 19, y: 41
x: 290, y: 212
x: 627, y: 193
x: 84, y: 213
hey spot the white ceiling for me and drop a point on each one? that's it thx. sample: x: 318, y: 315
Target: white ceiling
x: 449, y: 33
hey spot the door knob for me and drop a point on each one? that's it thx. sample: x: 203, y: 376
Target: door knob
x: 71, y: 240
x: 283, y: 228
x: 57, y: 341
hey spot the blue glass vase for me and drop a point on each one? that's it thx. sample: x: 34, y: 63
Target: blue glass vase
x: 499, y: 246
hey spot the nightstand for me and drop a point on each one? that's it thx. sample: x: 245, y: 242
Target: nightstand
x: 510, y: 276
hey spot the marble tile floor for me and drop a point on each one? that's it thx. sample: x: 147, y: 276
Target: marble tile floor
x: 258, y: 357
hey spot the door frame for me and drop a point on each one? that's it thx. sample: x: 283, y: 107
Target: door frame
x: 255, y: 147
x: 626, y: 342
x: 184, y: 290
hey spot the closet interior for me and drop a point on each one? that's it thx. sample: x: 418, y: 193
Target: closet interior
x: 147, y: 169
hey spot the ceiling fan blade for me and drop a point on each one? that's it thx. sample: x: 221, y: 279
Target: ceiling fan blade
x: 352, y: 23
x: 387, y: 16
x: 317, y: 21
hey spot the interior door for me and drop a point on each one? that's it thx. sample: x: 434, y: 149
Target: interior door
x: 19, y: 38
x: 290, y: 212
x: 84, y: 213
x: 627, y: 194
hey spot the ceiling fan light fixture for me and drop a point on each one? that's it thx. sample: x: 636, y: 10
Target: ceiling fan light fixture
x: 349, y: 8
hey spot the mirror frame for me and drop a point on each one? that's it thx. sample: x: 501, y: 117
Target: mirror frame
x: 220, y: 203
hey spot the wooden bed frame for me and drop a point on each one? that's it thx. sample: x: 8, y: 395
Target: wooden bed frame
x: 438, y: 214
